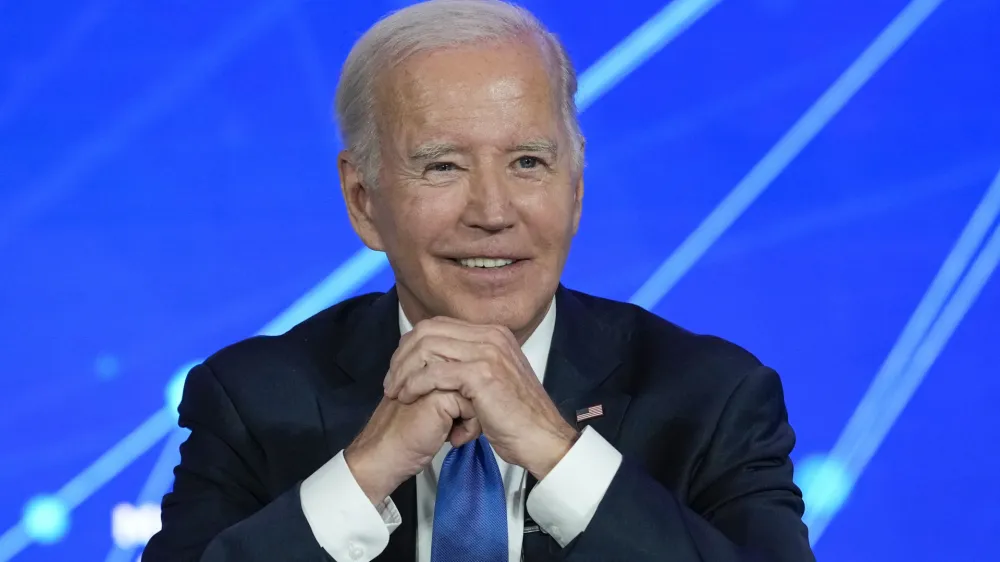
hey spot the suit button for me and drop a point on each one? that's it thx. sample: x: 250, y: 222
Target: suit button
x: 355, y: 551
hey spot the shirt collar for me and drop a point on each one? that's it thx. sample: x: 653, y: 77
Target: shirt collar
x: 536, y: 348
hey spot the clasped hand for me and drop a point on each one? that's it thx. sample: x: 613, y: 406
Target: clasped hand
x: 484, y: 365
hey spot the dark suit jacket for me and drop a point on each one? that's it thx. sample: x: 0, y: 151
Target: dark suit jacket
x: 701, y: 425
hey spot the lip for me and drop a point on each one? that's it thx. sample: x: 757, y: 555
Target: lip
x: 488, y: 255
x: 491, y: 275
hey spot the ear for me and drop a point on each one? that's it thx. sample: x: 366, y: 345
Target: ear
x: 577, y: 203
x: 578, y: 191
x: 358, y: 199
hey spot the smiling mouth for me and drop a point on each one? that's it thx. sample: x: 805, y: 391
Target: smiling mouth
x: 485, y: 263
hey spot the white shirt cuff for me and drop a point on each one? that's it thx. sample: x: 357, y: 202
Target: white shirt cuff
x: 343, y: 520
x: 565, y: 501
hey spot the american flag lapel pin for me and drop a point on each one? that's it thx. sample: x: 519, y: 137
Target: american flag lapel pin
x: 589, y: 413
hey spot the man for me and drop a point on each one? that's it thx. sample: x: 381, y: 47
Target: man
x: 514, y: 417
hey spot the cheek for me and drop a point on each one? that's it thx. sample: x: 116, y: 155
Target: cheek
x: 551, y: 217
x: 424, y: 217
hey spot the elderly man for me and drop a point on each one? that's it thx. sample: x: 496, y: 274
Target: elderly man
x: 514, y: 419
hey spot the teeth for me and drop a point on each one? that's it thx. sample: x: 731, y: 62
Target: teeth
x: 484, y: 262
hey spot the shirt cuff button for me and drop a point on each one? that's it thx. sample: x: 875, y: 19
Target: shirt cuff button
x: 355, y: 551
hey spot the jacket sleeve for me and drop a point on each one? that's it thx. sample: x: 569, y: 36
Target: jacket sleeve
x: 743, y: 504
x: 219, y: 510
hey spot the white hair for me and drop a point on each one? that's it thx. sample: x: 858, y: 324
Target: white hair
x: 430, y: 25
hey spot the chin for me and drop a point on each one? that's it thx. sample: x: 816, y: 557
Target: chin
x: 515, y: 311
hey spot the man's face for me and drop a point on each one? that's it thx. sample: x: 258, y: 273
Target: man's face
x: 477, y: 198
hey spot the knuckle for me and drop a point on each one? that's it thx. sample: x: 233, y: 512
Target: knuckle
x: 486, y: 349
x: 483, y: 370
x: 443, y: 401
x: 405, y: 338
x: 494, y: 353
x: 430, y: 368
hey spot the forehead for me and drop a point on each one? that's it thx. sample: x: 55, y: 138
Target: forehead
x: 477, y: 93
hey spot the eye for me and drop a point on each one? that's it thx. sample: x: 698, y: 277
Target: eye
x: 528, y: 162
x: 441, y: 167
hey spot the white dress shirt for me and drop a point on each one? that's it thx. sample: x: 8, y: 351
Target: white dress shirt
x: 351, y: 529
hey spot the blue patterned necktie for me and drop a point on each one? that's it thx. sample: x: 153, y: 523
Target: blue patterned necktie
x: 470, y: 512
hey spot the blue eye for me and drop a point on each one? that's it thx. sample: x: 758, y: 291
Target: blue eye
x: 441, y: 167
x: 528, y: 162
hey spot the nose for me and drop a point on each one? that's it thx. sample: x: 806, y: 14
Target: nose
x: 490, y: 205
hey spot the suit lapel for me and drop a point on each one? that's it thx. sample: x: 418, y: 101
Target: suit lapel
x: 585, y: 352
x: 373, y: 338
x: 365, y: 356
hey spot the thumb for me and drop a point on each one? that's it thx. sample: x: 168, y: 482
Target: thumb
x: 465, y: 431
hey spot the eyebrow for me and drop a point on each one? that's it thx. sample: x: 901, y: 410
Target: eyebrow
x: 540, y: 145
x: 433, y: 151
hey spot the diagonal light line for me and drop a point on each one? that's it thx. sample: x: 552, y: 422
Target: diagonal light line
x: 28, y: 80
x: 163, y: 471
x: 12, y: 542
x: 157, y: 484
x: 99, y: 473
x: 923, y: 359
x: 922, y: 339
x: 639, y: 46
x: 90, y: 154
x: 345, y: 280
x: 111, y: 463
x: 956, y: 309
x: 860, y: 437
x: 594, y: 82
x: 366, y: 263
x: 940, y: 333
x: 781, y: 154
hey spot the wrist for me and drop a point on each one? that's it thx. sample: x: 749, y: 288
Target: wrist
x: 550, y: 452
x: 373, y: 472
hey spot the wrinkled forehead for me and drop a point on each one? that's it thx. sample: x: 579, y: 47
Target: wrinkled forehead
x: 484, y: 93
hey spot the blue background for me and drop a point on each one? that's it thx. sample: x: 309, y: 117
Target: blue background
x: 168, y: 186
